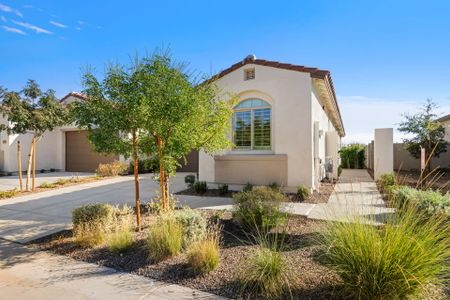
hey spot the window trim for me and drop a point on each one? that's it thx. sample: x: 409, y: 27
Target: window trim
x: 252, y: 140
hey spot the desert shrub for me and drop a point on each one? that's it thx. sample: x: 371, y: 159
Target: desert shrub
x: 203, y: 255
x: 259, y: 208
x: 144, y: 166
x: 154, y: 206
x: 302, y: 192
x: 394, y: 261
x: 189, y: 180
x: 430, y: 201
x: 112, y: 169
x: 266, y: 274
x: 223, y: 189
x: 200, y: 187
x: 194, y: 225
x: 385, y: 181
x: 352, y: 156
x: 215, y: 217
x: 274, y: 186
x: 165, y: 238
x: 62, y: 181
x: 91, y: 223
x: 248, y: 187
x: 46, y: 185
x: 8, y: 193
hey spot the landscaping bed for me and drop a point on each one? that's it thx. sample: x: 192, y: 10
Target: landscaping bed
x: 315, y: 281
x: 411, y: 178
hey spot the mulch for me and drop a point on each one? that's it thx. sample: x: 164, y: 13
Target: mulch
x: 313, y: 279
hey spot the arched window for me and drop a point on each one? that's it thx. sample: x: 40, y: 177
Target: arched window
x: 251, y: 125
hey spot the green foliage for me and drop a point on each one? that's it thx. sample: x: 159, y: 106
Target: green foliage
x: 259, y: 208
x: 194, y: 225
x: 189, y: 180
x: 223, y: 189
x: 339, y: 170
x: 430, y: 201
x: 8, y: 194
x: 155, y: 205
x: 248, y: 187
x: 203, y: 255
x: 111, y: 169
x: 385, y: 181
x: 302, y: 192
x: 352, y: 156
x: 93, y: 213
x: 266, y: 273
x: 395, y: 261
x: 427, y: 132
x: 274, y: 186
x: 200, y: 187
x: 121, y: 239
x: 144, y: 166
x: 47, y: 185
x: 165, y: 238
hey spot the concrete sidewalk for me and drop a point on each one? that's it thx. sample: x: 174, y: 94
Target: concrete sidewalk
x: 12, y: 182
x: 27, y: 274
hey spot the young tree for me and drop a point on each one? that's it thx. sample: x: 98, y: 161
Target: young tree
x: 113, y: 115
x: 31, y: 111
x: 426, y: 133
x: 182, y: 115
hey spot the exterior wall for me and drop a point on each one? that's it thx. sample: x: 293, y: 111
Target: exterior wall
x: 295, y: 108
x: 383, y: 151
x: 446, y: 124
x: 404, y: 161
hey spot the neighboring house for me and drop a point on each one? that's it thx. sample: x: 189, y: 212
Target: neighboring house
x: 286, y: 126
x: 445, y: 121
x: 65, y: 148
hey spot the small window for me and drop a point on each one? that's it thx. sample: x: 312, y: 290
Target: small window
x: 249, y: 74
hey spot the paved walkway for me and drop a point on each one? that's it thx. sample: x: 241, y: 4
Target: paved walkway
x: 11, y: 182
x: 27, y: 274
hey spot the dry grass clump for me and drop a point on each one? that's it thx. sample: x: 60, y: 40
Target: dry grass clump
x: 112, y: 169
x: 165, y: 238
x: 204, y: 255
x: 8, y: 193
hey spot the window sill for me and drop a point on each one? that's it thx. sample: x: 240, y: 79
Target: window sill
x: 252, y: 156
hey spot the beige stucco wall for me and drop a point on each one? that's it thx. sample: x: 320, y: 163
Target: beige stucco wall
x: 447, y: 130
x: 295, y: 108
x: 404, y: 161
x: 383, y: 151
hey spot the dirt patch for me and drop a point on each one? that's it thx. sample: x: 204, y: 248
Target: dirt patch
x: 437, y: 181
x: 315, y: 281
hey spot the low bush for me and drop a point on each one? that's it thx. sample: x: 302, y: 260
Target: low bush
x: 200, y: 187
x: 259, y: 208
x: 395, y: 261
x: 112, y: 169
x: 274, y: 186
x: 189, y: 180
x: 165, y: 238
x: 8, y: 193
x: 121, y: 240
x: 62, y: 181
x: 194, y: 225
x: 203, y: 255
x: 248, y: 187
x: 385, y: 181
x: 302, y: 192
x: 154, y: 206
x: 223, y: 189
x: 430, y: 201
x: 46, y: 185
x: 266, y: 274
x: 352, y: 156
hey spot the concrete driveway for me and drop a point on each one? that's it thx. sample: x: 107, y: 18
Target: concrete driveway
x: 32, y: 216
x: 11, y: 182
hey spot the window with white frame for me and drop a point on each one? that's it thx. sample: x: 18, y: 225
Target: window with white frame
x: 252, y: 125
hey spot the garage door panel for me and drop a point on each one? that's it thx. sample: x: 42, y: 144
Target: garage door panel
x: 80, y: 155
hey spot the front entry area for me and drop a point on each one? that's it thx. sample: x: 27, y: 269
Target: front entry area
x: 80, y: 155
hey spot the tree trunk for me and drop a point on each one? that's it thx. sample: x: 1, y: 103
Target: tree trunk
x: 19, y: 166
x: 33, y: 181
x: 136, y: 181
x: 30, y: 156
x: 162, y: 175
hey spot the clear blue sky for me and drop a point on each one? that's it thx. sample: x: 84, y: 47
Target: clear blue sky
x: 386, y: 57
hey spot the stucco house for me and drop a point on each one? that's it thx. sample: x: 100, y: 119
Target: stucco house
x: 445, y: 121
x: 286, y: 126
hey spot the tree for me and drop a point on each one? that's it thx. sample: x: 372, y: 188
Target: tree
x: 31, y: 111
x: 114, y: 115
x: 181, y: 115
x: 426, y: 133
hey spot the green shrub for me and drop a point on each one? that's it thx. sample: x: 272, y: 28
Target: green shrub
x: 266, y: 274
x: 385, y: 181
x: 302, y: 192
x: 259, y: 209
x: 8, y: 193
x: 144, y: 166
x: 189, y: 180
x: 93, y: 213
x: 352, y: 156
x: 223, y: 189
x: 165, y: 238
x: 200, y: 187
x: 248, y: 187
x: 62, y: 181
x: 194, y: 225
x: 203, y: 255
x: 46, y: 185
x: 112, y: 169
x: 121, y: 240
x: 274, y: 186
x: 394, y: 261
x: 430, y: 201
x: 155, y: 205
